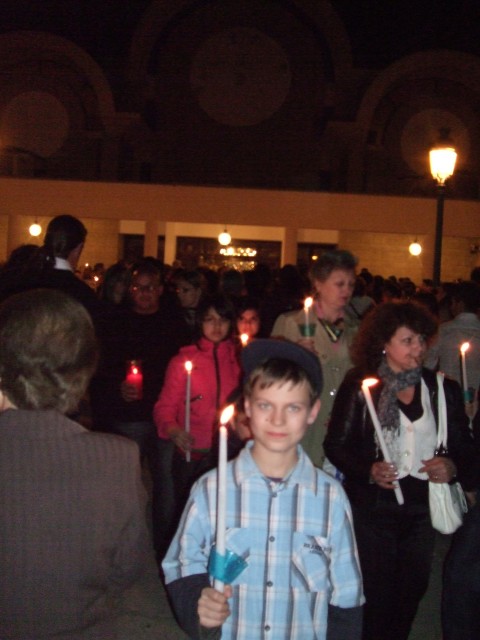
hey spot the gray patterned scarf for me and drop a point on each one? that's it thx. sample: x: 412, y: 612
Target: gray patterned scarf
x: 388, y: 412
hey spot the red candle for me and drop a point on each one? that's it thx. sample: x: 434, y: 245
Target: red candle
x: 135, y: 377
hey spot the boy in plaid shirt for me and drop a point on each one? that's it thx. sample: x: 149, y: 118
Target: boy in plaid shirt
x: 288, y: 522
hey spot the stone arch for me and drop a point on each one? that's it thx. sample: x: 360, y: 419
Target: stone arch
x: 399, y: 120
x: 55, y: 108
x: 186, y: 83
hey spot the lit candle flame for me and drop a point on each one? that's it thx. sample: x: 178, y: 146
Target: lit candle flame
x: 369, y: 382
x: 308, y: 303
x: 227, y: 414
x: 465, y: 347
x: 134, y: 370
x: 244, y: 339
x: 188, y: 366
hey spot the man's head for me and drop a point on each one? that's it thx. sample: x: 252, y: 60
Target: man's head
x: 465, y: 298
x: 190, y: 286
x: 64, y: 238
x: 48, y: 350
x: 146, y: 287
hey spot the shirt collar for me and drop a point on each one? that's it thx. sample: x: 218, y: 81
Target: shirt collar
x: 303, y: 474
x: 62, y: 264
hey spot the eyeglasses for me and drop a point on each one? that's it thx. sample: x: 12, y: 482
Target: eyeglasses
x: 149, y: 288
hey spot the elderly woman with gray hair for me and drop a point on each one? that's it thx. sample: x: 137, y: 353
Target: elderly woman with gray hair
x: 329, y: 334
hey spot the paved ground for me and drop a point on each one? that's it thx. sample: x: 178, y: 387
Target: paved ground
x: 144, y: 613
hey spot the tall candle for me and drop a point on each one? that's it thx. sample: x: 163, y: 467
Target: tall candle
x: 135, y: 377
x: 188, y: 393
x: 463, y: 355
x: 222, y: 489
x: 366, y: 384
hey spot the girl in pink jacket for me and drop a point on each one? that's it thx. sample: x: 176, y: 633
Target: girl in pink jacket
x: 215, y: 374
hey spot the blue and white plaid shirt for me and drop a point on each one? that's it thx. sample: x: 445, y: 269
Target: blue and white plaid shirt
x: 297, y: 538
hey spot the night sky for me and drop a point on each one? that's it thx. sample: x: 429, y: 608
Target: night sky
x: 380, y: 31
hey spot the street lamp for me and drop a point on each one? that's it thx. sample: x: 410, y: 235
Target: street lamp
x: 442, y: 165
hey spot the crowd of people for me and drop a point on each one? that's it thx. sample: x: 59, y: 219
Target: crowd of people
x: 148, y: 353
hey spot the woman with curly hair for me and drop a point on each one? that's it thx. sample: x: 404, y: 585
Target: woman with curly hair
x: 395, y: 541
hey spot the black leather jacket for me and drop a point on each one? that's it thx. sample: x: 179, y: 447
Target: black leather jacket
x: 350, y: 443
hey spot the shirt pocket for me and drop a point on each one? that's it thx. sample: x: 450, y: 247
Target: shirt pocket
x: 310, y: 562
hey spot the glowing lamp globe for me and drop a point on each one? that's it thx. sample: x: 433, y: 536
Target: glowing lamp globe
x: 35, y: 229
x: 442, y: 163
x: 224, y: 238
x: 415, y: 249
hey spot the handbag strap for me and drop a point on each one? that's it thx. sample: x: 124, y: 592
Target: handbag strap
x: 442, y: 432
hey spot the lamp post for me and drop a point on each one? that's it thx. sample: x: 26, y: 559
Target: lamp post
x: 442, y: 165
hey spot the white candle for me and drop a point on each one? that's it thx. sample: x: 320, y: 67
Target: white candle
x: 463, y: 351
x: 188, y: 393
x: 222, y: 488
x: 368, y: 382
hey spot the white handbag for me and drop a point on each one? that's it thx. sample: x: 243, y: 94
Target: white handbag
x: 447, y: 501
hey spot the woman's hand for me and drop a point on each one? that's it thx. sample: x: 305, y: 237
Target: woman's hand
x: 181, y: 438
x: 439, y: 469
x: 213, y: 608
x: 384, y: 474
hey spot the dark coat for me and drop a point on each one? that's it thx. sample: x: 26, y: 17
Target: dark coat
x: 72, y: 526
x: 350, y: 443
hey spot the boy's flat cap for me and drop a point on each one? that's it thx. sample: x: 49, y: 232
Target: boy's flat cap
x: 263, y: 349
